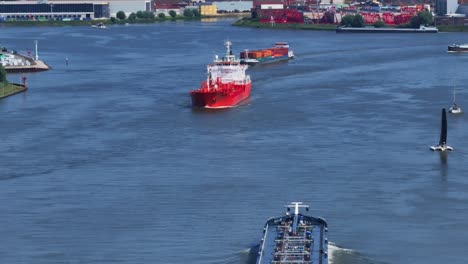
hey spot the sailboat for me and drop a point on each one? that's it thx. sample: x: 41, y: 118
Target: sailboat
x: 455, y: 109
x: 443, y: 135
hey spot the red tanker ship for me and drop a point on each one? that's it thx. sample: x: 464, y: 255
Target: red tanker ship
x: 226, y: 84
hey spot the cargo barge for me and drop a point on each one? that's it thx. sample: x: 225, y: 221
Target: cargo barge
x: 280, y: 52
x: 294, y: 238
x: 421, y: 29
x: 458, y: 48
x: 226, y: 84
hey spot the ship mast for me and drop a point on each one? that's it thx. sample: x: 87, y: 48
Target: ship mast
x: 296, y: 206
x: 229, y: 56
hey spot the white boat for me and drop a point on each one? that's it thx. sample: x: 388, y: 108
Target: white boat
x: 455, y: 109
x: 443, y: 136
x: 99, y: 25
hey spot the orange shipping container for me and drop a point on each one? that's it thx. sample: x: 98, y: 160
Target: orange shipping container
x: 266, y: 53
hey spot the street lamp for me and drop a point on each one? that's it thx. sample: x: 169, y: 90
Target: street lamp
x: 51, y: 11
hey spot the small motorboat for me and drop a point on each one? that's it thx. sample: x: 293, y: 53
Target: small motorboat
x: 443, y: 136
x: 99, y: 25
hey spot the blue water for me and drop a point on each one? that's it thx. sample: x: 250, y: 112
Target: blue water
x: 103, y: 160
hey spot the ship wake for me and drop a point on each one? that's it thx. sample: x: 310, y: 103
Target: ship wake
x: 339, y: 255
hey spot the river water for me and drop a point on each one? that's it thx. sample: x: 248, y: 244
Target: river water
x: 103, y: 160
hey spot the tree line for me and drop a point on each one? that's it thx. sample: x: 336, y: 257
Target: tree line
x: 150, y: 16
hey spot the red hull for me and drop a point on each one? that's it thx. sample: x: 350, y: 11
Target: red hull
x: 225, y: 95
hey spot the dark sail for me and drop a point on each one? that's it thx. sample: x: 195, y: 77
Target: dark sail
x: 443, y: 129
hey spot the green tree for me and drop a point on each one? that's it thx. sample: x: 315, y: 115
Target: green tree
x: 188, y: 12
x: 196, y: 12
x: 162, y: 15
x: 113, y: 20
x: 358, y: 21
x: 121, y: 15
x: 415, y: 22
x: 172, y: 13
x: 379, y: 24
x: 132, y: 17
x: 425, y: 17
x: 422, y: 18
x: 140, y: 14
x: 149, y: 15
x: 3, y: 75
x: 254, y: 14
x: 347, y: 20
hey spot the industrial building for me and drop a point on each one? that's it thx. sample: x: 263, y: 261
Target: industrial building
x: 27, y: 10
x: 444, y: 7
x: 69, y: 9
x: 232, y: 6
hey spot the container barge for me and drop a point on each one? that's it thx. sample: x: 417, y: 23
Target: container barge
x: 280, y: 52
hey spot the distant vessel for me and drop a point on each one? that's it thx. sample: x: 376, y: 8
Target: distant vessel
x: 99, y: 25
x: 458, y: 48
x: 455, y: 109
x: 443, y: 135
x: 226, y: 84
x: 280, y: 52
x: 294, y: 239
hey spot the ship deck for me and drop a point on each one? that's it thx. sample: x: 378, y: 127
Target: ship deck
x: 282, y: 246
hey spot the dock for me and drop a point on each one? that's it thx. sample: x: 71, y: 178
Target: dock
x: 421, y: 29
x: 16, y: 62
x: 21, y: 63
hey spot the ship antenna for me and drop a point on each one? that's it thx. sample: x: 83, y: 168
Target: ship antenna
x: 228, y: 45
x: 37, y: 54
x: 208, y: 78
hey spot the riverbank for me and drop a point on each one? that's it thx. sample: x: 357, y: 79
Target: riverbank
x: 114, y: 21
x: 11, y: 89
x: 248, y: 22
x: 445, y: 28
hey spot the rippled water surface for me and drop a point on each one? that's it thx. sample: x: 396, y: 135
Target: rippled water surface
x: 103, y: 160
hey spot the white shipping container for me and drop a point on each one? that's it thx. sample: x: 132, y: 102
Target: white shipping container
x: 272, y: 6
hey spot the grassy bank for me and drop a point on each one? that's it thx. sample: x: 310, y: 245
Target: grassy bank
x: 248, y: 22
x: 10, y: 89
x: 443, y: 28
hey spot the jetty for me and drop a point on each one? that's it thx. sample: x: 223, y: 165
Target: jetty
x: 15, y: 62
x: 421, y: 29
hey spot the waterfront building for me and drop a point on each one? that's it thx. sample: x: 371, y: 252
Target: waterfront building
x: 444, y: 7
x: 232, y: 6
x: 70, y: 9
x: 53, y: 10
x: 208, y: 10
